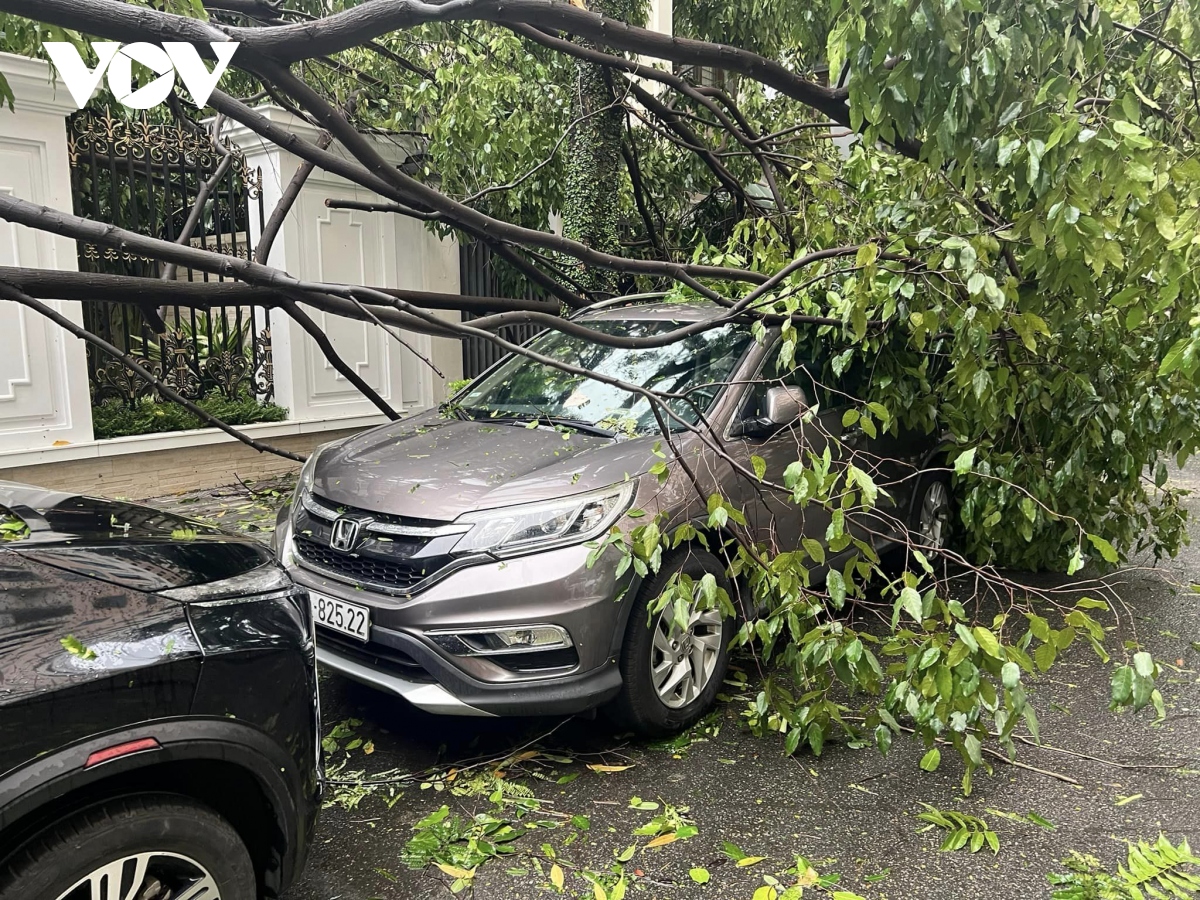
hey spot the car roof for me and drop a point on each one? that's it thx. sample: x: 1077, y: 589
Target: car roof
x: 654, y: 311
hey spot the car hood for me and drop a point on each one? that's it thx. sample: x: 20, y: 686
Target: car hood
x: 430, y: 467
x: 123, y: 543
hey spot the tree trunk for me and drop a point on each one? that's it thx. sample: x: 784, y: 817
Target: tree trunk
x: 595, y: 166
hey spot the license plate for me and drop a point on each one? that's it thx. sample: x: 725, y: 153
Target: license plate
x: 347, y: 618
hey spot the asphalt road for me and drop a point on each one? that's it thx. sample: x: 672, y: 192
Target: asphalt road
x: 851, y: 812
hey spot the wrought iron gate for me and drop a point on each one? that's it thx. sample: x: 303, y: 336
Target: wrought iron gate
x: 482, y: 275
x: 145, y: 176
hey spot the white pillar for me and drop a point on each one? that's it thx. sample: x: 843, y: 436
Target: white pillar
x: 44, y: 398
x: 661, y: 17
x: 317, y: 243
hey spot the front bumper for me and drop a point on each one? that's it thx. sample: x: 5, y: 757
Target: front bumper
x: 555, y: 587
x: 456, y: 695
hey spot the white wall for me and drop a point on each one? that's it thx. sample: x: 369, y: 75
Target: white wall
x: 354, y: 247
x: 43, y: 371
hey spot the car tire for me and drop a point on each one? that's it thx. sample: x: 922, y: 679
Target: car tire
x: 640, y: 706
x: 180, y: 840
x: 932, y: 519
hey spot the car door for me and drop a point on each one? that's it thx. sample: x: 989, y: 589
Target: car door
x: 774, y: 517
x: 890, y: 457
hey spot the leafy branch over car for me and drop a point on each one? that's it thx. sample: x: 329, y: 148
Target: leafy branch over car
x: 996, y: 251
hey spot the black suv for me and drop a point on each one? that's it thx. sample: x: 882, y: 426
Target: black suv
x: 158, y: 706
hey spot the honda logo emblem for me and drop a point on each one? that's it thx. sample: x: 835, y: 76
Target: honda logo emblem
x: 345, y: 535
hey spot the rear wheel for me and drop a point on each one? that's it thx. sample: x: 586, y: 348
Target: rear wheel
x: 932, y: 517
x: 152, y: 847
x: 670, y: 676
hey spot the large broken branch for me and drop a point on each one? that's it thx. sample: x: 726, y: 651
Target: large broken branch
x: 341, y: 31
x: 93, y: 286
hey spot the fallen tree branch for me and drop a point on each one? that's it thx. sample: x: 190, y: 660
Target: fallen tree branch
x: 291, y: 193
x: 202, y: 195
x: 326, y: 346
x: 54, y: 284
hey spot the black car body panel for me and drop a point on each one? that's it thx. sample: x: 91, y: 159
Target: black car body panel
x: 92, y: 656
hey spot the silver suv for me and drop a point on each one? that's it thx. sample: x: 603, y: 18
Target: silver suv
x: 447, y: 554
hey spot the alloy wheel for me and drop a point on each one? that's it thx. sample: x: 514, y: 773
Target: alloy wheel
x: 682, y: 662
x: 155, y: 875
x: 934, y: 515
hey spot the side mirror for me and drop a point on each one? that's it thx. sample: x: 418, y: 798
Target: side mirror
x: 782, y: 406
x: 785, y: 405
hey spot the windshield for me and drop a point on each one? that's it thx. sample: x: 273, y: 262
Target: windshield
x: 699, y: 364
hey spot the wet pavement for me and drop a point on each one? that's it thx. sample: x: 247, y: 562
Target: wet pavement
x: 1100, y: 779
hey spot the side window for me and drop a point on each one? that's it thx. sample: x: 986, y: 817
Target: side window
x: 800, y: 374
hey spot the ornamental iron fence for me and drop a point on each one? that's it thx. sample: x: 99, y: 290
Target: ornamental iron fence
x: 145, y: 176
x: 481, y: 274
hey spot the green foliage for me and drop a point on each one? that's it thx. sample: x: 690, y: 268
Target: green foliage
x: 956, y: 678
x: 1133, y: 685
x: 962, y: 830
x: 210, y: 335
x: 803, y: 879
x: 113, y: 418
x: 457, y: 845
x: 343, y: 730
x: 12, y: 528
x: 1161, y: 870
x: 669, y: 825
x: 453, y: 387
x: 76, y: 648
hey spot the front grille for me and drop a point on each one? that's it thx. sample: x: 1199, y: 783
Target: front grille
x: 394, y: 574
x: 374, y: 655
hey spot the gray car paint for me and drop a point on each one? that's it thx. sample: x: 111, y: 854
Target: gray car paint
x: 436, y: 467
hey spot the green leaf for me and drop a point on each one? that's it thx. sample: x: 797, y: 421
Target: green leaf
x: 699, y: 875
x: 1106, y: 549
x: 965, y: 462
x: 1045, y: 655
x: 910, y: 602
x: 1122, y: 684
x: 76, y: 648
x: 974, y: 748
x: 1010, y: 674
x: 1143, y: 664
x: 1174, y: 358
x: 931, y: 760
x: 987, y: 642
x: 760, y: 467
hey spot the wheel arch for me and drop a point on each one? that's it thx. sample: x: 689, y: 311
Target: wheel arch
x: 229, y: 767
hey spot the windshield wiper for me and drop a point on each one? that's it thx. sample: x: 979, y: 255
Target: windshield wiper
x: 477, y: 414
x: 578, y: 425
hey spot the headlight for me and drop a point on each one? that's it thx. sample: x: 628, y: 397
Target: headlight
x: 264, y: 583
x: 570, y: 520
x: 305, y: 482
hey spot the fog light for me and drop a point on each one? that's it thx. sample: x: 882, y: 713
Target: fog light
x: 499, y: 641
x: 539, y: 637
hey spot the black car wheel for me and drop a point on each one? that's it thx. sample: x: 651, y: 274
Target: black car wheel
x: 670, y: 676
x: 151, y: 847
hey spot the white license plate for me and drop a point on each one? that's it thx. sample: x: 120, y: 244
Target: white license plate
x: 347, y: 618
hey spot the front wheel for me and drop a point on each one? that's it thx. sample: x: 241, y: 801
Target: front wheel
x: 152, y: 847
x: 670, y: 676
